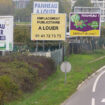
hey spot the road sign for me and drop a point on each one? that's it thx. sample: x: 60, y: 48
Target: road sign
x: 6, y: 33
x: 85, y: 24
x: 46, y: 7
x: 48, y: 27
x: 65, y: 67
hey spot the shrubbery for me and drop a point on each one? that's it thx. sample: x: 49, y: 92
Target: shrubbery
x: 22, y: 34
x: 22, y: 73
x: 8, y: 89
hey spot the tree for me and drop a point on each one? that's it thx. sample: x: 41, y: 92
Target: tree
x: 6, y: 7
x: 83, y: 3
x: 65, y: 7
x: 6, y: 2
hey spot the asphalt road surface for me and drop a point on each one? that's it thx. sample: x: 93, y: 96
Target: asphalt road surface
x: 92, y: 92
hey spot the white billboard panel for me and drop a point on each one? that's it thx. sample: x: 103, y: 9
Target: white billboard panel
x: 46, y: 7
x: 6, y: 33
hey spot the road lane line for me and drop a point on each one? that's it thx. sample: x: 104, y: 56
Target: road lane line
x: 96, y: 81
x: 93, y: 101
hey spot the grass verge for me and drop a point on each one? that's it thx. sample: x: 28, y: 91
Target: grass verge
x: 54, y: 91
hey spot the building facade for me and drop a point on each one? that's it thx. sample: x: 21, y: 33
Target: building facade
x: 19, y: 4
x: 101, y: 4
x: 96, y: 3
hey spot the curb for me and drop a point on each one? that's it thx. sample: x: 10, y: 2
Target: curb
x: 98, y: 71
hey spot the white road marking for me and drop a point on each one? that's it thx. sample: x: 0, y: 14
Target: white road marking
x: 96, y: 81
x: 103, y: 100
x: 93, y: 101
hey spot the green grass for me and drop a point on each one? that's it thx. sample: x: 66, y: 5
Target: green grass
x: 22, y: 23
x: 54, y: 91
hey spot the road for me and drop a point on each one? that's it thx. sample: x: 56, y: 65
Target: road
x: 92, y: 92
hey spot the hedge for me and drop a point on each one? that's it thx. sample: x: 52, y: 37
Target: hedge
x: 21, y: 73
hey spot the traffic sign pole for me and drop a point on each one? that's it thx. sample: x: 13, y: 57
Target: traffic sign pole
x: 65, y: 76
x: 65, y: 67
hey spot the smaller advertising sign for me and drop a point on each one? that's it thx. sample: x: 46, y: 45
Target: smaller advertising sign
x: 46, y: 7
x: 6, y: 33
x: 84, y: 24
x: 48, y: 27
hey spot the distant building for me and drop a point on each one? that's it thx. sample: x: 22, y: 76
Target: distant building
x: 87, y: 9
x: 101, y: 4
x: 19, y: 4
x: 96, y: 3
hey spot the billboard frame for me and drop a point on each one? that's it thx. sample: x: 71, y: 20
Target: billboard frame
x: 50, y: 14
x: 12, y: 17
x: 84, y: 13
x: 86, y: 8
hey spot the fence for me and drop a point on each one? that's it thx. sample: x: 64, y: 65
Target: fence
x: 56, y: 55
x: 87, y: 45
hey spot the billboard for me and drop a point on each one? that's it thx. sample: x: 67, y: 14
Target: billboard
x: 48, y: 27
x: 46, y: 8
x: 84, y: 24
x: 6, y: 33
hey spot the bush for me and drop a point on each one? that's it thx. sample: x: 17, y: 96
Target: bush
x: 22, y: 73
x: 45, y: 66
x: 22, y: 34
x: 7, y: 89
